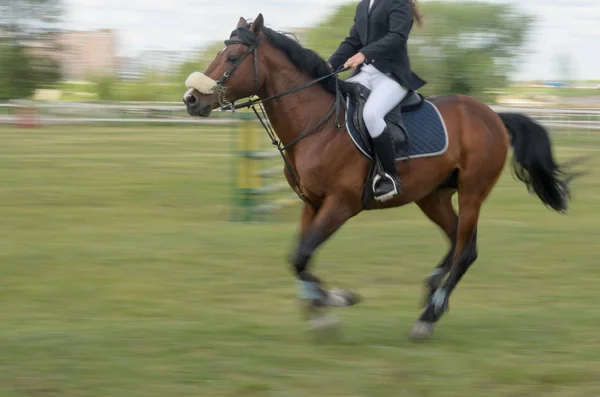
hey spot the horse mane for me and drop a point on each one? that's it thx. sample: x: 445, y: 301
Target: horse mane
x: 306, y: 60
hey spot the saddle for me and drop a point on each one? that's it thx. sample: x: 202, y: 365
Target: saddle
x: 358, y: 95
x: 394, y: 121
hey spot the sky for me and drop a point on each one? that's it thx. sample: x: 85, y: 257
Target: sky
x: 563, y: 27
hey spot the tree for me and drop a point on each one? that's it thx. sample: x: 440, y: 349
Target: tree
x: 15, y: 67
x: 464, y: 47
x: 28, y: 30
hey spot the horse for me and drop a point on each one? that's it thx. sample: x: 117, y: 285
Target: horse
x: 299, y: 94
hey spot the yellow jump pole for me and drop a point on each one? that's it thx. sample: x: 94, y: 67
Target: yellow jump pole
x: 247, y: 165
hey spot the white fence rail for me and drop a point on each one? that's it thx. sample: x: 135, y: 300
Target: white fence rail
x: 110, y: 112
x: 563, y: 120
x: 559, y: 120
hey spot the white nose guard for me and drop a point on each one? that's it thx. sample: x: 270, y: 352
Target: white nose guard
x: 201, y: 83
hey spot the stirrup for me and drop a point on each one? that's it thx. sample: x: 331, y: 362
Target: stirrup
x: 388, y: 195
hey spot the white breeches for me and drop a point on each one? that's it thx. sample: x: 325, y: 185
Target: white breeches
x: 385, y: 95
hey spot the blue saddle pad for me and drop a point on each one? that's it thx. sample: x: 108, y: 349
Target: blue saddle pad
x: 425, y: 127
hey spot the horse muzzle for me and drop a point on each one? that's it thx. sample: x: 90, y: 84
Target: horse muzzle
x: 199, y: 105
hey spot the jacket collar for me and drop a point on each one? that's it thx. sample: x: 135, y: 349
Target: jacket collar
x: 375, y: 3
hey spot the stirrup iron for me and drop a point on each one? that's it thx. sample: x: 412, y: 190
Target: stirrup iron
x: 387, y: 196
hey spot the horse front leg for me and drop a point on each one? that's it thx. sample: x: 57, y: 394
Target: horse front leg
x: 316, y: 228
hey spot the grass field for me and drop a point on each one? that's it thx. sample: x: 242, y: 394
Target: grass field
x: 120, y: 276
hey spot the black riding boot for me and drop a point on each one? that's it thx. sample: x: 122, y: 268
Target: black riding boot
x: 387, y: 185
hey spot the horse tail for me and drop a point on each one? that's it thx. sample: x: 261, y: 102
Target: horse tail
x: 533, y: 162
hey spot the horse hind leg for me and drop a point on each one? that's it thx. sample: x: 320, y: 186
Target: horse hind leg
x: 438, y: 208
x: 465, y: 253
x: 475, y: 183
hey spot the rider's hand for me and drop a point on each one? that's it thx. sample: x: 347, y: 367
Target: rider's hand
x: 355, y: 61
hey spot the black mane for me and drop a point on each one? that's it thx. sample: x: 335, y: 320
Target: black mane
x: 306, y: 60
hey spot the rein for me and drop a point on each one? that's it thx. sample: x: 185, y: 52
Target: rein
x: 251, y: 40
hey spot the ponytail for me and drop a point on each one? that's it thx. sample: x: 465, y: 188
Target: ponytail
x: 417, y: 16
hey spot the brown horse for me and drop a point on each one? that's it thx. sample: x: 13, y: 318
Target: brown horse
x: 324, y: 167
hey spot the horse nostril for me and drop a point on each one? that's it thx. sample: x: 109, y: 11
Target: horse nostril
x: 190, y: 100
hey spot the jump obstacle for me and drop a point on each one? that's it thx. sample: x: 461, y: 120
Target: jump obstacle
x: 26, y: 116
x: 257, y: 173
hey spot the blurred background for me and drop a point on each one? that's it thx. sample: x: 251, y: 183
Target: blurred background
x: 498, y: 51
x: 144, y: 252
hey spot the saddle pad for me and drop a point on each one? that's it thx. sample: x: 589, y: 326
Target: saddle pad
x: 426, y: 132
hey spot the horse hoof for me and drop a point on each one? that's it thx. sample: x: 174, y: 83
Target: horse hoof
x: 341, y: 298
x: 325, y: 328
x: 324, y: 322
x: 421, y: 330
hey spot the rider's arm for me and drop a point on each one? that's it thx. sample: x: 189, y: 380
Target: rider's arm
x: 349, y: 47
x: 399, y: 22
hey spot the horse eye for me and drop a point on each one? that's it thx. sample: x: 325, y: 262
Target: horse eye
x: 232, y: 59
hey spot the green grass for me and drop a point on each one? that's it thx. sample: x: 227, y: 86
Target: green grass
x: 120, y: 276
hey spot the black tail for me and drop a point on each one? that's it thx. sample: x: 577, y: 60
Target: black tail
x: 533, y: 162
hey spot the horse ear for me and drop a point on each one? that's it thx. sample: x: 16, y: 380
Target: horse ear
x: 242, y: 22
x: 258, y: 24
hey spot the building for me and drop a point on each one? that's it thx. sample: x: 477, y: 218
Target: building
x: 84, y: 54
x: 81, y: 54
x: 162, y: 61
x: 129, y: 68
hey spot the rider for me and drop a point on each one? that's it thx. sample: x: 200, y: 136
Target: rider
x: 376, y: 49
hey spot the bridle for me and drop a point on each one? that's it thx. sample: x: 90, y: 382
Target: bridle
x: 251, y: 40
x: 244, y: 36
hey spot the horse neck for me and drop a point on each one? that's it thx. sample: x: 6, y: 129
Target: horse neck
x: 293, y: 114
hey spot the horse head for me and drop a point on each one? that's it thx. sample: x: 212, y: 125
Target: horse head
x: 233, y: 74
